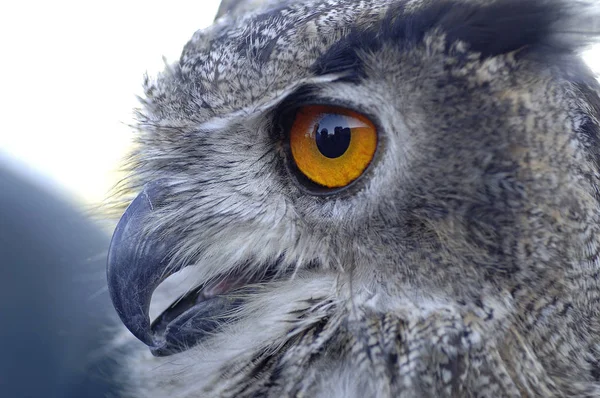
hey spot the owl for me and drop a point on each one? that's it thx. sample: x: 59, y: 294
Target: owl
x: 367, y: 198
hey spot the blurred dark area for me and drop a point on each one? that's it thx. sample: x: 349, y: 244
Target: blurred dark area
x: 55, y: 312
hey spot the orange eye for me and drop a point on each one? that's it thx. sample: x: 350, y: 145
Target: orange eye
x: 332, y: 146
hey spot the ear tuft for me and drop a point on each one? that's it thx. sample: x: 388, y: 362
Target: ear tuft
x: 503, y: 26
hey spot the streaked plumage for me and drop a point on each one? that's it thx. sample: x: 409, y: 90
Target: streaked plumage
x: 463, y: 262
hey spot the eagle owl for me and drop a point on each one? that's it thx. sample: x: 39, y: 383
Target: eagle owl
x: 368, y: 198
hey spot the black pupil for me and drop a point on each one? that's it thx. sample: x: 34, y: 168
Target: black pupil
x: 333, y: 135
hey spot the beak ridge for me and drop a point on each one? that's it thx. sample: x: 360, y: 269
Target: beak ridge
x: 136, y: 264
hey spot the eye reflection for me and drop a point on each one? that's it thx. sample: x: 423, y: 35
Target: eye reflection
x: 333, y: 135
x: 332, y: 146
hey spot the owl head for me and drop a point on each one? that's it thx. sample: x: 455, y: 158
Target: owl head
x: 372, y: 197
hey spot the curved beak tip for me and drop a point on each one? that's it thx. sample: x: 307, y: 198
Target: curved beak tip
x: 136, y: 264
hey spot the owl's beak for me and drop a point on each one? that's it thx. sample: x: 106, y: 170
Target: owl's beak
x: 137, y: 264
x: 139, y: 261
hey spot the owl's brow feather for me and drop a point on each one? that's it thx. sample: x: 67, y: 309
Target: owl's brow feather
x: 488, y: 29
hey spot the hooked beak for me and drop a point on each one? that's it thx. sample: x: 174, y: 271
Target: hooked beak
x: 137, y: 264
x: 139, y: 261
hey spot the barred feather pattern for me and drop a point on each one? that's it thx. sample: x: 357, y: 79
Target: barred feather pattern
x: 424, y: 349
x: 465, y: 261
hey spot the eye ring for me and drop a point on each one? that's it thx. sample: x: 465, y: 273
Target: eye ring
x: 331, y: 146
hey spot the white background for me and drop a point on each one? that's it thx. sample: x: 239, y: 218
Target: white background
x: 69, y: 73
